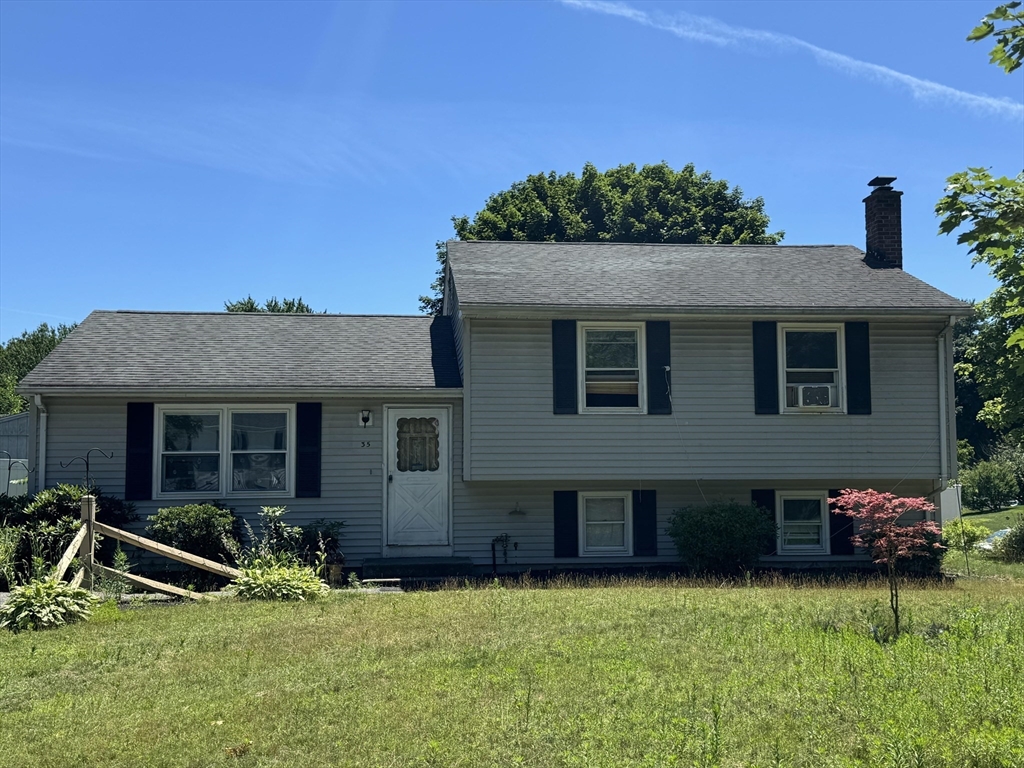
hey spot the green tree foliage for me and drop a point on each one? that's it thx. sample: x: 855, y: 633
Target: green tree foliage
x: 968, y: 366
x: 1008, y: 52
x: 293, y: 306
x: 20, y: 355
x: 655, y: 204
x: 989, y: 486
x: 988, y: 213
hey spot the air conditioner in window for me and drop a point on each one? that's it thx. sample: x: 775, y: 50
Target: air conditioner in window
x: 815, y: 396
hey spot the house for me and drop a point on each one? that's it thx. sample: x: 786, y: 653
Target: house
x: 571, y: 396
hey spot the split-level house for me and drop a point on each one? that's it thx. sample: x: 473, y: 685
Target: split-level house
x: 571, y: 396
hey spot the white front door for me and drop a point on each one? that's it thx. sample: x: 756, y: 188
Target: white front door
x: 419, y: 477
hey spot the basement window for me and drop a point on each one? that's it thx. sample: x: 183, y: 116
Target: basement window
x: 606, y: 523
x: 802, y: 522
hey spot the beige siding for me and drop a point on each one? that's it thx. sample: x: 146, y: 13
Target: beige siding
x: 713, y: 432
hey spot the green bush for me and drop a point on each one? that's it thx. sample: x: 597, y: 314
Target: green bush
x: 1008, y: 452
x: 65, y: 501
x: 989, y: 486
x: 45, y: 603
x: 278, y: 577
x: 721, y: 537
x: 207, y: 530
x: 10, y: 543
x: 1010, y: 548
x: 322, y: 537
x: 961, y: 534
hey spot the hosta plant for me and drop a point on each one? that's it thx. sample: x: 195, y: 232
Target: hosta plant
x: 45, y: 603
x: 278, y: 577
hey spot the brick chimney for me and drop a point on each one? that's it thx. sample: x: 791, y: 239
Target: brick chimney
x: 883, y: 224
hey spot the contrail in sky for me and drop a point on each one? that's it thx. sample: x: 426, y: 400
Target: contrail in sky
x: 702, y: 29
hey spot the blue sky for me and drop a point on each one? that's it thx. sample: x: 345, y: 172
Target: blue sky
x: 177, y: 155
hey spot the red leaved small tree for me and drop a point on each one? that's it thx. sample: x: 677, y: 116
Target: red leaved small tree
x: 880, y: 531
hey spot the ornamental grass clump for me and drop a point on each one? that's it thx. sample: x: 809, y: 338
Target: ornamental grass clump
x: 890, y: 540
x: 45, y: 603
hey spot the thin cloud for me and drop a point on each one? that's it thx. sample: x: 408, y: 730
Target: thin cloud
x: 707, y: 30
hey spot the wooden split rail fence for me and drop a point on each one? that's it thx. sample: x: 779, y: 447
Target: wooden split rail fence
x: 84, y: 545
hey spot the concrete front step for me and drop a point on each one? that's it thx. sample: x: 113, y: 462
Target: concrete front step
x: 417, y: 567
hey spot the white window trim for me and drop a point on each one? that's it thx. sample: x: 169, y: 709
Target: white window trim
x: 581, y: 364
x: 224, y: 448
x: 840, y: 330
x: 584, y: 551
x: 826, y: 534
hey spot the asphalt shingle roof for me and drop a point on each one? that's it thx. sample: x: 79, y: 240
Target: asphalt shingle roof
x: 684, y: 277
x: 181, y: 350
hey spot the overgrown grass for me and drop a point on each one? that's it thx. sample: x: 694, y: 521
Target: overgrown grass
x: 955, y: 564
x: 625, y: 674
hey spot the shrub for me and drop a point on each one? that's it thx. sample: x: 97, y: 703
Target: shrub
x: 207, y: 530
x: 278, y: 577
x: 1011, y: 453
x: 45, y: 603
x: 1011, y: 547
x: 65, y: 501
x: 964, y: 534
x: 322, y: 536
x: 721, y: 537
x: 12, y: 509
x: 10, y: 542
x: 989, y: 486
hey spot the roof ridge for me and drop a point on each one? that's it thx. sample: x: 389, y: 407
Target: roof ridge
x: 203, y: 313
x: 592, y: 243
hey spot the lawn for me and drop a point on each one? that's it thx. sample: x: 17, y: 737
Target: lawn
x: 627, y: 674
x: 995, y: 521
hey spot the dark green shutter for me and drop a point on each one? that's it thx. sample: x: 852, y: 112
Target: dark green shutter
x: 766, y: 368
x: 840, y: 528
x: 138, y: 461
x: 659, y: 361
x: 645, y: 523
x: 563, y: 365
x: 307, y: 450
x: 567, y: 528
x: 765, y: 499
x: 858, y: 369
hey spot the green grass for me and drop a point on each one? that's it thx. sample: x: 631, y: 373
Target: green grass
x: 954, y: 564
x: 633, y: 674
x: 995, y: 521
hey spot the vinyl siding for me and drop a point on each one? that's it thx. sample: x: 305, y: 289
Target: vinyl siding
x: 482, y: 513
x: 713, y: 432
x: 351, y: 478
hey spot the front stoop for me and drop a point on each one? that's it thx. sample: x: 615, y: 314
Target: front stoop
x: 417, y: 567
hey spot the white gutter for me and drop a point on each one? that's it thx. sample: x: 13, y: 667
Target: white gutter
x: 41, y: 465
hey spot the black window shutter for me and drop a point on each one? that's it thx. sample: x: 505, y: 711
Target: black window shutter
x: 307, y: 450
x: 765, y: 499
x: 567, y: 530
x: 840, y: 528
x: 858, y: 369
x: 563, y: 359
x: 766, y: 368
x: 659, y: 358
x: 138, y: 453
x: 645, y: 523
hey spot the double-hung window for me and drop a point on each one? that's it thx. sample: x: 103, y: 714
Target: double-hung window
x: 211, y: 451
x: 606, y: 523
x: 802, y: 522
x: 612, y: 367
x: 811, y: 367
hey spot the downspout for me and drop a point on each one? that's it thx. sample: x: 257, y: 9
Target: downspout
x: 945, y: 361
x: 41, y: 466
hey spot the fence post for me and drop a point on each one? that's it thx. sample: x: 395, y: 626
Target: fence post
x: 87, y: 552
